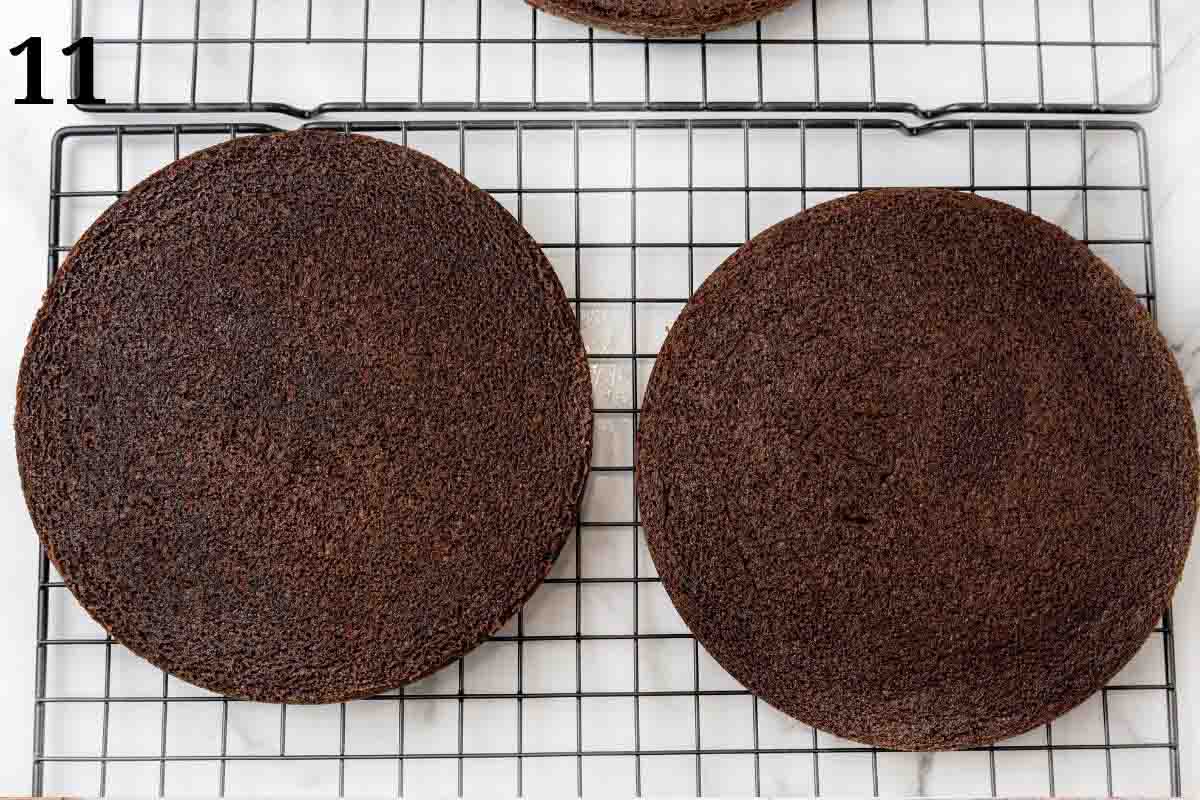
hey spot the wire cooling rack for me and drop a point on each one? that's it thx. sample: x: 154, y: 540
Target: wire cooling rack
x: 926, y: 57
x: 596, y: 687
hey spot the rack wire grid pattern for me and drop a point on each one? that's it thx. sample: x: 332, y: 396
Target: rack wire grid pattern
x: 596, y: 686
x: 925, y: 57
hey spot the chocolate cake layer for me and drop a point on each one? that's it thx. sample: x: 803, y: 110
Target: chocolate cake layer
x: 917, y: 469
x: 304, y: 417
x: 661, y: 18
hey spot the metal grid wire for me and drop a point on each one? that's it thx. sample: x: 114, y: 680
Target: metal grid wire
x: 925, y: 57
x: 596, y: 686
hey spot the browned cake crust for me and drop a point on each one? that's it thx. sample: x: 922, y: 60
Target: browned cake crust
x: 917, y: 469
x: 304, y: 417
x: 661, y: 18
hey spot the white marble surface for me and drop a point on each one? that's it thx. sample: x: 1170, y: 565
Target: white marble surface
x: 1174, y: 134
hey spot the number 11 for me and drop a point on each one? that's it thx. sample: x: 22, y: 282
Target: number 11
x: 85, y: 71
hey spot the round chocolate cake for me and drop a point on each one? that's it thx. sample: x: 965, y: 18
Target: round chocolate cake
x: 661, y: 18
x: 304, y: 417
x: 917, y: 469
